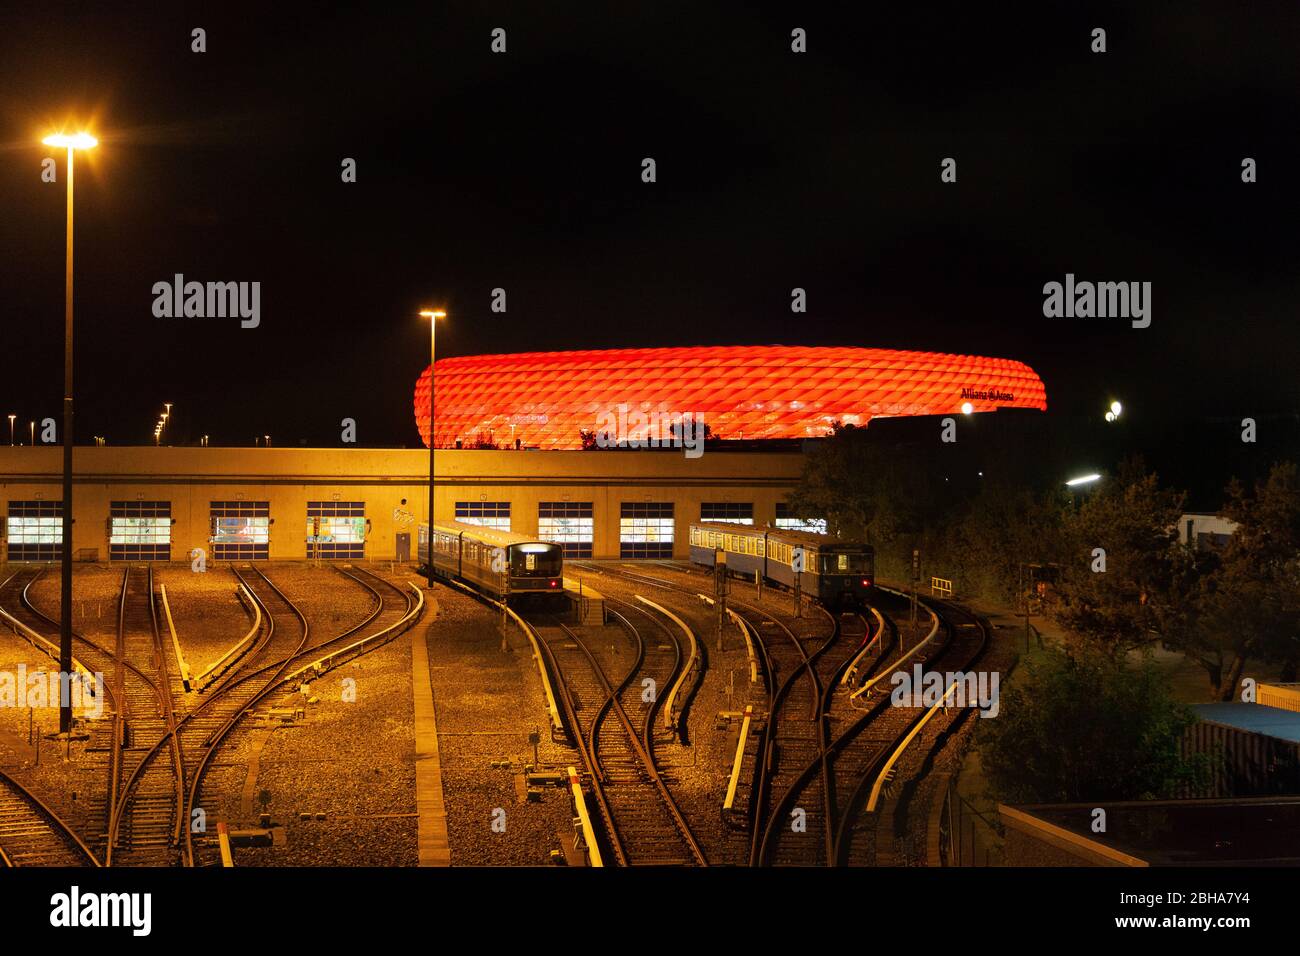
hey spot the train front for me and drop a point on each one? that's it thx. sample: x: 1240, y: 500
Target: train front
x: 536, y: 568
x: 846, y: 575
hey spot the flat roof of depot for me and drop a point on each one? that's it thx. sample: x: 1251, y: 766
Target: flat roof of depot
x: 1256, y: 718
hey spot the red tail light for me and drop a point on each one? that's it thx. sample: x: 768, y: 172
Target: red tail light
x: 555, y: 583
x: 866, y: 582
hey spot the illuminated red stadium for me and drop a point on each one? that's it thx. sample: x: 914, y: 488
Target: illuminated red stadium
x: 547, y: 399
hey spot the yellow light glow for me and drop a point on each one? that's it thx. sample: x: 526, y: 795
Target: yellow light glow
x: 433, y: 314
x: 75, y: 141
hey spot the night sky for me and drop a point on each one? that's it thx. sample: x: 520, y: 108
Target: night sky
x: 522, y: 171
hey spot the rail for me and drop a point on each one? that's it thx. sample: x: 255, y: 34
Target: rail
x: 744, y: 629
x: 176, y: 642
x: 672, y: 710
x: 58, y: 821
x: 934, y: 629
x: 204, y: 680
x: 888, y: 768
x: 46, y: 646
x: 850, y: 675
x: 734, y: 780
x: 331, y: 660
x: 584, y: 820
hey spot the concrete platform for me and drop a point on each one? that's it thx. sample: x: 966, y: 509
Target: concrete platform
x: 433, y: 843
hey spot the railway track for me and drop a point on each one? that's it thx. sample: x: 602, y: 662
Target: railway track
x: 32, y: 834
x: 827, y: 765
x: 871, y: 838
x: 222, y: 720
x: 192, y: 740
x: 146, y: 796
x: 793, y: 733
x: 643, y: 822
x: 124, y: 682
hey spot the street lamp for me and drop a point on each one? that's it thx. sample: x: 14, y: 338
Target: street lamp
x: 1082, y: 480
x: 71, y: 143
x: 11, y: 428
x: 433, y: 315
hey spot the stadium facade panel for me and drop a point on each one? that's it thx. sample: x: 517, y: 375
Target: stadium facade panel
x: 548, y: 399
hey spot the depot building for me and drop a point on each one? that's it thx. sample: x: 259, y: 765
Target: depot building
x: 548, y: 409
x: 240, y: 504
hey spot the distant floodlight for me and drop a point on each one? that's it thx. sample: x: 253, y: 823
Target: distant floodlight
x: 1116, y: 408
x: 1110, y: 416
x: 967, y: 408
x: 1082, y: 480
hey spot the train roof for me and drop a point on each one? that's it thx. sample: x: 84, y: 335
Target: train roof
x: 805, y: 538
x: 500, y: 539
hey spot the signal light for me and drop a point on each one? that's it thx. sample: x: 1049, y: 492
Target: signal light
x: 554, y: 583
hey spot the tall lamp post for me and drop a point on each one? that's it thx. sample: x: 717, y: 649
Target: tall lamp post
x: 72, y: 144
x: 433, y: 315
x: 11, y: 428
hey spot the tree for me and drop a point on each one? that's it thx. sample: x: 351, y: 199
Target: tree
x: 1244, y: 603
x: 1084, y: 725
x: 857, y: 486
x: 1119, y: 560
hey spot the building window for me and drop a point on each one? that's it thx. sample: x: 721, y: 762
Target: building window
x: 140, y: 531
x: 485, y: 514
x: 241, y: 530
x: 786, y: 520
x: 567, y: 523
x: 336, y: 529
x: 35, y: 530
x: 645, y: 529
x: 730, y: 511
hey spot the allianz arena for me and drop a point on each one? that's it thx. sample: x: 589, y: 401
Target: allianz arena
x: 548, y: 399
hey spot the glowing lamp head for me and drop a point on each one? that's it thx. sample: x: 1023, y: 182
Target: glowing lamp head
x: 433, y: 313
x: 1110, y: 416
x: 1116, y: 408
x: 967, y: 408
x: 71, y: 141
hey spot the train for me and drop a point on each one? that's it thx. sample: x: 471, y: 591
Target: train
x: 498, y: 564
x: 838, y: 573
